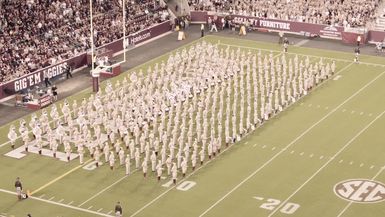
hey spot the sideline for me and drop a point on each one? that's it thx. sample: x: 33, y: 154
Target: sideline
x: 60, y: 204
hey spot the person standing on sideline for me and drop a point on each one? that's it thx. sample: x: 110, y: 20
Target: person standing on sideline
x: 213, y: 26
x: 54, y: 92
x: 202, y: 30
x: 209, y: 22
x: 358, y: 40
x: 118, y: 210
x: 280, y: 34
x: 68, y: 71
x: 19, y: 188
x: 223, y: 23
x: 46, y: 80
x: 285, y: 45
x: 357, y: 54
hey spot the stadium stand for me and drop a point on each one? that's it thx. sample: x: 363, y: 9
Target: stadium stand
x: 38, y: 33
x: 348, y: 13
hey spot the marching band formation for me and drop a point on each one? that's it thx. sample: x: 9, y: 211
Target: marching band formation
x: 173, y: 117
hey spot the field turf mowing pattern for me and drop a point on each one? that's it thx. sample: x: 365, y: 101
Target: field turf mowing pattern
x: 333, y: 134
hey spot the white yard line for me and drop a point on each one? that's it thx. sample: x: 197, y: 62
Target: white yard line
x: 108, y: 187
x: 350, y: 203
x: 291, y: 143
x: 327, y: 163
x: 341, y: 60
x: 60, y: 204
x: 300, y: 43
x: 105, y: 189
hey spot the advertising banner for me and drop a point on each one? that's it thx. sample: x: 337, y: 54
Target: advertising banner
x: 291, y: 26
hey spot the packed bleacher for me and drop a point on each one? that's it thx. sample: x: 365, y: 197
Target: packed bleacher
x: 348, y: 13
x: 38, y: 33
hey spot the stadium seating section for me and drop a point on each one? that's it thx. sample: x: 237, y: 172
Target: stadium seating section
x: 38, y: 33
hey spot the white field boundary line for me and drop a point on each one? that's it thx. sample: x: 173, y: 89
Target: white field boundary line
x: 351, y: 202
x: 60, y: 204
x: 86, y: 89
x: 300, y: 43
x: 165, y: 192
x: 341, y: 60
x: 327, y: 162
x: 108, y: 187
x: 290, y: 144
x: 320, y: 49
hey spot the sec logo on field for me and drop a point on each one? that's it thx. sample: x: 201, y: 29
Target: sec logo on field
x: 360, y: 190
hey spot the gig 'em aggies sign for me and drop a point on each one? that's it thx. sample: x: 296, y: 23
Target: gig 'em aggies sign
x: 33, y: 79
x: 360, y: 190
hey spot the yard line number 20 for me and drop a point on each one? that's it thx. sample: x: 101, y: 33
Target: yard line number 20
x: 271, y: 204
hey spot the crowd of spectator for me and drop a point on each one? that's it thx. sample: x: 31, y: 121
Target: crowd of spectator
x: 38, y: 33
x: 348, y: 13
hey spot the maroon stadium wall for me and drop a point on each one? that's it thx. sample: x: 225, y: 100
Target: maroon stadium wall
x: 376, y: 36
x: 56, y: 70
x: 198, y: 16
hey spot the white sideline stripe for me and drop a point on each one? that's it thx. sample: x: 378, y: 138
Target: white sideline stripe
x: 105, y: 189
x: 328, y: 162
x: 350, y: 203
x: 60, y: 204
x: 300, y: 43
x: 108, y: 187
x: 341, y: 60
x: 291, y: 143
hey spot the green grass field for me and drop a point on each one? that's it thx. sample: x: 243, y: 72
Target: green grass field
x: 287, y: 167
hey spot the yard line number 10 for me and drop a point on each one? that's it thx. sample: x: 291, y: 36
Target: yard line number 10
x: 271, y: 204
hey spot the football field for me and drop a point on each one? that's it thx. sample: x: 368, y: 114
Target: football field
x: 324, y: 156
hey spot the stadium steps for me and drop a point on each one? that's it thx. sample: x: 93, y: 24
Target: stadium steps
x: 183, y: 7
x: 380, y: 24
